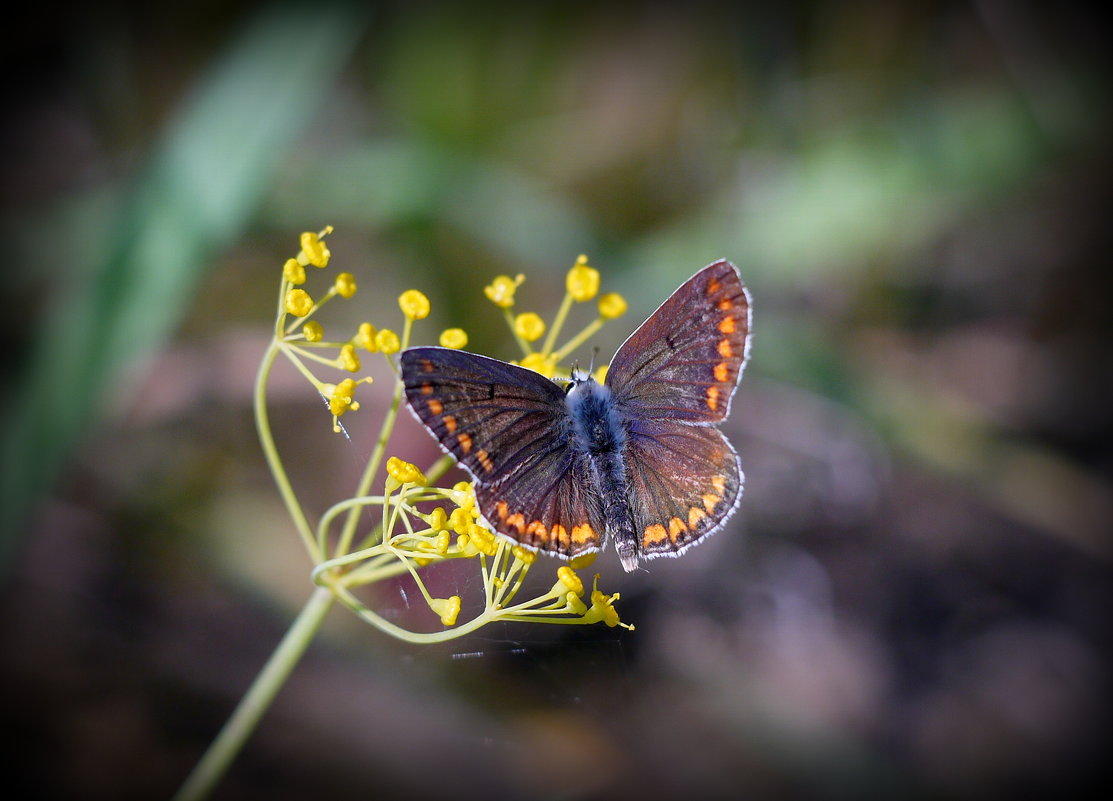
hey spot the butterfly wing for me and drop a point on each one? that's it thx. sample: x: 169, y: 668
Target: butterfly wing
x: 685, y: 361
x: 685, y: 482
x: 508, y: 427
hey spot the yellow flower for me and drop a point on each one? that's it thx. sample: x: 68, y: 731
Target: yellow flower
x: 447, y: 608
x: 345, y: 285
x: 454, y: 338
x: 341, y: 396
x: 524, y: 555
x: 293, y: 272
x: 568, y: 581
x: 348, y: 359
x: 388, y: 341
x: 298, y: 302
x: 403, y: 472
x: 529, y: 326
x: 365, y: 338
x: 314, y: 331
x: 612, y: 305
x: 582, y: 281
x: 602, y: 608
x: 583, y: 560
x: 414, y: 304
x: 539, y: 363
x: 501, y: 290
x: 314, y: 248
x: 438, y: 519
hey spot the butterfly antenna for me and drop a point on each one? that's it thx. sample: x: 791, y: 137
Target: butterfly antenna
x: 594, y: 353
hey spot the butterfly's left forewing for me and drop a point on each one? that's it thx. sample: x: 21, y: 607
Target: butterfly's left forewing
x: 508, y: 427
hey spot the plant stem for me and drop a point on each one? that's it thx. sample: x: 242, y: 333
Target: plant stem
x: 266, y: 439
x: 257, y: 700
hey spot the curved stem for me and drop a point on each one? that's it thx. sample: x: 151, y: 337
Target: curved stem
x: 266, y: 439
x: 257, y: 700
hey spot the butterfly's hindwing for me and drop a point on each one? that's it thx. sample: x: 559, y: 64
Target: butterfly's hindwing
x: 492, y: 416
x: 684, y: 362
x: 548, y: 504
x: 685, y: 481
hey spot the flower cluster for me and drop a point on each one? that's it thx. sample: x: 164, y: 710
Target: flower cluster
x: 582, y: 285
x: 417, y: 523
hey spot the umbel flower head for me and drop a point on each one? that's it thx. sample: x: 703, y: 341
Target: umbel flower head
x: 414, y: 522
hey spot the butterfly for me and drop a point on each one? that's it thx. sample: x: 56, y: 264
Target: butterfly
x: 637, y: 459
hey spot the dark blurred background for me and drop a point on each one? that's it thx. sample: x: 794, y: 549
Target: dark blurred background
x: 912, y: 600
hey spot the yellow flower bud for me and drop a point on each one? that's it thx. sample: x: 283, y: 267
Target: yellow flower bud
x: 365, y: 337
x: 345, y: 285
x: 501, y: 290
x: 438, y: 519
x: 454, y: 338
x: 612, y: 305
x: 569, y: 580
x: 348, y: 359
x: 529, y: 326
x: 447, y: 608
x: 298, y: 302
x: 403, y: 472
x: 293, y: 272
x: 583, y: 560
x: 342, y: 396
x: 313, y: 331
x: 539, y: 363
x: 524, y: 555
x: 388, y: 341
x: 414, y: 304
x: 582, y: 281
x: 315, y: 250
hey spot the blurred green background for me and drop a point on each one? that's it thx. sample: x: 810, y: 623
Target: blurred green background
x: 912, y: 600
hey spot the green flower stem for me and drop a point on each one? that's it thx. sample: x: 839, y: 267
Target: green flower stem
x: 266, y: 439
x: 214, y: 764
x: 387, y: 428
x: 525, y: 346
x: 558, y: 323
x: 579, y: 339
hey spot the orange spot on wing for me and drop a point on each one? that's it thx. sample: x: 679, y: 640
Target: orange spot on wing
x: 537, y: 530
x: 654, y: 534
x: 676, y: 528
x: 722, y: 372
x: 559, y: 534
x: 435, y: 406
x: 725, y: 350
x: 465, y: 442
x: 583, y: 534
x: 426, y: 366
x: 713, y: 398
x: 695, y: 514
x: 484, y: 460
x: 710, y: 501
x: 726, y: 304
x: 501, y: 510
x: 726, y: 325
x: 517, y: 521
x: 713, y: 286
x: 450, y: 423
x: 426, y: 389
x: 719, y: 483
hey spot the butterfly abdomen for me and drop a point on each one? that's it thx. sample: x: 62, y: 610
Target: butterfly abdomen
x: 599, y: 434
